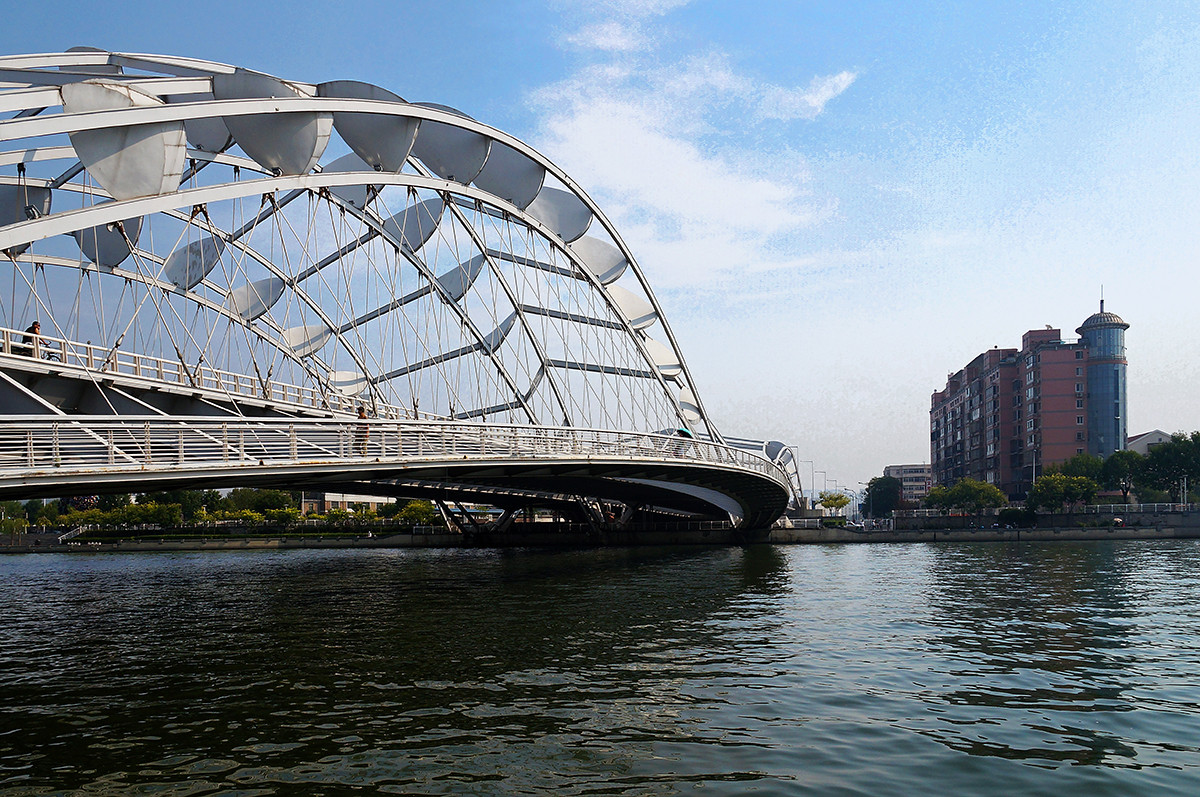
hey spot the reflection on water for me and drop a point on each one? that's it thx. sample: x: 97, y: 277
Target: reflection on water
x: 807, y: 669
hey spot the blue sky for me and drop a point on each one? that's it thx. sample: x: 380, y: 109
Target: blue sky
x: 837, y: 203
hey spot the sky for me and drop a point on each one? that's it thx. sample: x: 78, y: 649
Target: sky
x: 837, y: 203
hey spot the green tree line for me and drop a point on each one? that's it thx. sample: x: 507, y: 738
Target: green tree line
x: 183, y: 507
x: 1157, y: 477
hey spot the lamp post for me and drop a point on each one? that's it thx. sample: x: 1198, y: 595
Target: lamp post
x: 824, y: 477
x: 855, y: 503
x: 812, y: 475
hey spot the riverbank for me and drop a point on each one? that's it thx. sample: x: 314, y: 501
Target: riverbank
x: 1051, y: 534
x: 48, y: 543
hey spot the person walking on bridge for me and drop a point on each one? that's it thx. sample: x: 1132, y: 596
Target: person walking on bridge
x: 362, y: 432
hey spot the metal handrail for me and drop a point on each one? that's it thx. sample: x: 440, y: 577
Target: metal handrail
x: 1087, y: 509
x: 107, y: 360
x: 37, y: 444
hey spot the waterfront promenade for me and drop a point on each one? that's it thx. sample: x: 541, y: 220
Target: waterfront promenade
x: 1185, y: 526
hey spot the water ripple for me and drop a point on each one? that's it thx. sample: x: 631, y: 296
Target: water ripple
x: 805, y: 670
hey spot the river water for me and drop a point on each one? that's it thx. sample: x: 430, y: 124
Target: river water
x: 1025, y: 668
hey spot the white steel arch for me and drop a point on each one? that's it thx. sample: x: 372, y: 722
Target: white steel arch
x: 519, y: 302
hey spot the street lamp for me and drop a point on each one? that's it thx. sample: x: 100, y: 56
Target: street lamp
x: 855, y: 503
x: 812, y: 475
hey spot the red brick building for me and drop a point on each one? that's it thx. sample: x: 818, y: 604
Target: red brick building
x: 1009, y: 412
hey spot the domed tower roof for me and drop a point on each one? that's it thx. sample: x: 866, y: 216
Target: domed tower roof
x: 1102, y: 319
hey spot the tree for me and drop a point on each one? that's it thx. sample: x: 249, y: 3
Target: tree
x: 974, y: 496
x: 882, y: 496
x: 1169, y: 463
x: 259, y: 500
x: 1053, y: 491
x: 1086, y: 465
x: 833, y: 500
x: 1119, y: 471
x: 188, y: 501
x: 114, y: 501
x: 938, y: 498
x: 1080, y: 490
x: 418, y: 513
x: 1048, y: 492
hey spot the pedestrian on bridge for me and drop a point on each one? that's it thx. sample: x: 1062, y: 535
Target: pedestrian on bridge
x: 362, y: 432
x: 31, y: 340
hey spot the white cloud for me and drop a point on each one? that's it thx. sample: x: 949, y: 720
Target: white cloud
x: 658, y: 148
x: 610, y: 36
x: 781, y: 103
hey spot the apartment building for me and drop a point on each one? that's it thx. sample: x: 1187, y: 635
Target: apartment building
x: 1010, y: 412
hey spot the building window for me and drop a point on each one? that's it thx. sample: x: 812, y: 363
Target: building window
x: 1079, y: 436
x: 1079, y: 354
x: 1079, y: 387
x: 1078, y: 404
x: 1079, y: 451
x: 1078, y: 371
x: 1079, y: 420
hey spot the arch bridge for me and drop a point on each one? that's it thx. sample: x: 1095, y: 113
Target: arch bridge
x: 227, y: 266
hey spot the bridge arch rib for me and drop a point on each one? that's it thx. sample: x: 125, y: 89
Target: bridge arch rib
x: 249, y: 246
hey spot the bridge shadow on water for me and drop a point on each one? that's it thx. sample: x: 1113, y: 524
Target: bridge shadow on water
x: 435, y: 671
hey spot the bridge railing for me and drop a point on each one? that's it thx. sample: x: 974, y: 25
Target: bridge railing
x: 109, y: 360
x: 96, y: 443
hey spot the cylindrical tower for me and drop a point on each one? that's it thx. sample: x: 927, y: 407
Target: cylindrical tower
x: 1104, y: 335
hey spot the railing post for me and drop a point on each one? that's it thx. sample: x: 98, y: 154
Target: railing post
x: 146, y: 438
x: 57, y: 450
x: 225, y: 441
x: 179, y: 456
x: 292, y: 439
x: 112, y: 452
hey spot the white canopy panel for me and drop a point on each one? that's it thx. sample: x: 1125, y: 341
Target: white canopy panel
x: 188, y: 265
x: 253, y: 299
x: 511, y: 175
x: 664, y: 357
x: 283, y: 143
x: 129, y: 162
x: 107, y: 246
x: 414, y: 225
x: 602, y: 259
x: 450, y: 152
x: 639, y: 312
x: 382, y: 141
x: 305, y: 340
x: 562, y: 212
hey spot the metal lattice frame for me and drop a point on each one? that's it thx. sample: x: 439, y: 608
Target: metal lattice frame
x: 439, y: 267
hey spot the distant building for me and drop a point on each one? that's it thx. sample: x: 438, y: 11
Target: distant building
x: 323, y: 502
x: 1009, y: 413
x: 1142, y: 443
x: 915, y: 480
